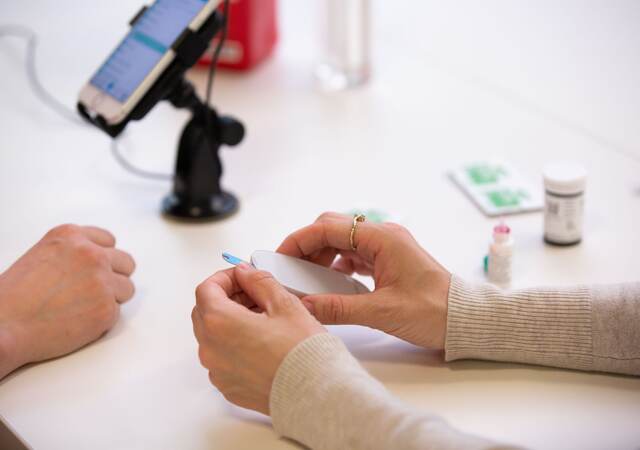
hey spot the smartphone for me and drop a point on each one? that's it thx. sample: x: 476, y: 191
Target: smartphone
x: 141, y: 57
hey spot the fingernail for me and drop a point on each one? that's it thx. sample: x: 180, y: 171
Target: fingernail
x: 243, y: 266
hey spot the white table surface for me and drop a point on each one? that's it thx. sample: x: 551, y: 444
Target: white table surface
x: 530, y: 82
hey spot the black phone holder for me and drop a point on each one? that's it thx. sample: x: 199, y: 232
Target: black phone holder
x: 197, y: 194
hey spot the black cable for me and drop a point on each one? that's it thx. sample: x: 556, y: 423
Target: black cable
x: 208, y: 117
x: 30, y: 36
x: 217, y: 51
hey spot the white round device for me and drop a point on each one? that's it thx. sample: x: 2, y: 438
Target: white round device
x: 303, y: 278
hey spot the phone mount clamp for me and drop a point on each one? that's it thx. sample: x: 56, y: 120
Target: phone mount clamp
x: 196, y: 194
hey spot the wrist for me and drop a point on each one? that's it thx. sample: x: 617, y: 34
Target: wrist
x: 9, y: 354
x: 441, y: 308
x: 303, y: 401
x: 13, y: 337
x: 11, y: 357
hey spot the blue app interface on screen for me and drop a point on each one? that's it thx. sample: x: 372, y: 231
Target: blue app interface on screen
x: 149, y: 39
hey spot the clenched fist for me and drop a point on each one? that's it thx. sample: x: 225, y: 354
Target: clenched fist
x: 62, y: 294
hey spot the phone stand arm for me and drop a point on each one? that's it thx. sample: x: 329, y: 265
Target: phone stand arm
x: 197, y: 194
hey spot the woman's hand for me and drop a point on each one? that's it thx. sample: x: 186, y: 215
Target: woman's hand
x: 246, y: 323
x: 411, y: 288
x: 62, y: 294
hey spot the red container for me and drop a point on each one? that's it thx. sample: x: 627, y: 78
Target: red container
x: 251, y: 36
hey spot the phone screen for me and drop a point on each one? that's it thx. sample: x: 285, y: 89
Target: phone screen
x: 147, y: 42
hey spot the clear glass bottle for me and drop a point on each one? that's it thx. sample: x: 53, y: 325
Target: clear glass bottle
x: 346, y: 59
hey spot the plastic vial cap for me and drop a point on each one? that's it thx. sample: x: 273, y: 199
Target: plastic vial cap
x: 501, y: 232
x: 565, y: 178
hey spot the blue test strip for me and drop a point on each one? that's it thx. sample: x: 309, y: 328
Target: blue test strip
x: 228, y: 257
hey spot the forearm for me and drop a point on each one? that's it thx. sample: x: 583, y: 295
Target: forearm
x: 586, y: 328
x: 323, y: 398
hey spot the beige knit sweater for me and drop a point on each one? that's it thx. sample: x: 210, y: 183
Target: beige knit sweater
x: 322, y: 397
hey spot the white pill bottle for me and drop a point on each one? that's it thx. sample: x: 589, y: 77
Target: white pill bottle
x: 564, y: 185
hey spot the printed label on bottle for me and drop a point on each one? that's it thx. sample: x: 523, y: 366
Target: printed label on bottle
x: 499, y: 268
x: 563, y: 218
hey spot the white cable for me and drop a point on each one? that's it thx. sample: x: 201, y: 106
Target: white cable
x: 60, y: 108
x: 32, y: 73
x: 117, y: 154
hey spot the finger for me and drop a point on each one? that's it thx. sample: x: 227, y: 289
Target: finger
x: 344, y: 265
x: 112, y: 320
x: 213, y: 379
x: 343, y: 309
x: 363, y: 268
x: 243, y: 299
x: 213, y: 296
x: 198, y: 331
x: 226, y: 279
x: 263, y: 289
x: 121, y: 262
x: 350, y: 264
x: 324, y: 256
x: 334, y: 233
x: 99, y: 236
x: 123, y: 287
x: 198, y: 326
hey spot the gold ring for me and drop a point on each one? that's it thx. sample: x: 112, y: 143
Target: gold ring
x: 356, y: 219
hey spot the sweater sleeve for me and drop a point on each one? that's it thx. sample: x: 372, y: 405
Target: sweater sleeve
x: 323, y: 398
x: 587, y: 328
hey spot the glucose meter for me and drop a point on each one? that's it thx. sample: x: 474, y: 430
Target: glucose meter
x: 301, y: 277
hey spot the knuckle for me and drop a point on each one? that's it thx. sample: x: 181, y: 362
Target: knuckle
x: 216, y: 380
x: 204, y: 357
x: 129, y: 260
x: 131, y: 289
x: 98, y: 285
x: 115, y: 314
x: 194, y: 312
x: 202, y: 292
x: 212, y: 379
x: 329, y: 215
x: 395, y: 228
x: 107, y: 235
x: 260, y: 276
x: 287, y: 301
x: 91, y: 254
x: 108, y: 313
x: 212, y: 323
x: 132, y: 260
x: 398, y: 231
x: 231, y: 397
x: 334, y: 310
x: 64, y: 231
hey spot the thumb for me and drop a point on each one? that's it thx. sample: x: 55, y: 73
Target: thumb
x: 262, y: 288
x: 334, y: 309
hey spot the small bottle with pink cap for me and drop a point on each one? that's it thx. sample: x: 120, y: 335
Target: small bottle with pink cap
x: 499, y: 260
